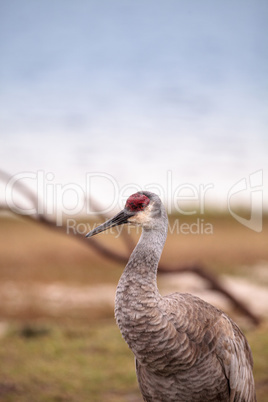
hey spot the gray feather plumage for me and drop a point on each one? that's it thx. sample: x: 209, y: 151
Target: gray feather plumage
x: 185, y: 349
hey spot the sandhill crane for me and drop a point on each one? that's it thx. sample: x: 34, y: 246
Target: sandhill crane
x: 185, y: 349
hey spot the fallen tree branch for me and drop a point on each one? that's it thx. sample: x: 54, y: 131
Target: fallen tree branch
x: 122, y: 259
x: 214, y: 284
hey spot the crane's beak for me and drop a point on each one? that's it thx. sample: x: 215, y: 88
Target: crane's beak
x: 118, y: 219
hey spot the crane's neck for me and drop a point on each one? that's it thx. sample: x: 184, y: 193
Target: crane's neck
x: 143, y: 262
x: 137, y: 294
x: 141, y: 269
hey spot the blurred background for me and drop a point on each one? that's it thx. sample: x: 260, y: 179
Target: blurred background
x: 99, y: 100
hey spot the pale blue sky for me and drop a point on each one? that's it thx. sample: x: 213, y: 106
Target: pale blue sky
x: 134, y: 90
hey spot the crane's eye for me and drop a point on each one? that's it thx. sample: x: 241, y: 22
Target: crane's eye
x: 137, y: 202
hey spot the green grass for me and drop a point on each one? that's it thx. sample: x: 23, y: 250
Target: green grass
x: 258, y: 340
x: 66, y: 363
x: 84, y: 362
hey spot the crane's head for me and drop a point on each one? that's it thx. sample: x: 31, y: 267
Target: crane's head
x: 142, y: 208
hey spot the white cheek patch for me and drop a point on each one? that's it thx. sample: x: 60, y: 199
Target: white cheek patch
x: 142, y: 217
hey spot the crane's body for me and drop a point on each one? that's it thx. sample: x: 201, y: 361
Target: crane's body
x: 185, y: 349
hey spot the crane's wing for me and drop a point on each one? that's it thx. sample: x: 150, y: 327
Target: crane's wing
x: 234, y: 353
x: 210, y: 331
